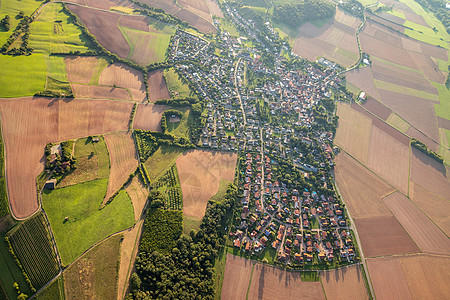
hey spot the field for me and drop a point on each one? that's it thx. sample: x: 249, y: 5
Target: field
x: 355, y: 183
x: 124, y: 76
x: 32, y: 245
x: 427, y: 235
x: 36, y: 121
x: 237, y: 277
x: 157, y: 86
x: 55, y: 291
x: 81, y: 69
x: 344, y: 283
x: 168, y: 185
x: 398, y: 123
x: 161, y: 160
x: 138, y: 194
x: 174, y: 84
x: 100, y: 92
x: 4, y: 204
x: 94, y: 275
x: 200, y: 173
x: 86, y: 223
x: 148, y: 117
x: 375, y: 107
x: 123, y: 160
x: 381, y: 236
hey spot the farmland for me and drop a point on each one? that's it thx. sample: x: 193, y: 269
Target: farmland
x: 344, y: 283
x: 157, y: 86
x: 169, y: 186
x: 123, y: 76
x: 138, y: 194
x: 237, y: 276
x: 148, y: 117
x: 54, y: 291
x: 160, y: 161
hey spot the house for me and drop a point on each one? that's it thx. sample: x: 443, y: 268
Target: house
x: 50, y: 184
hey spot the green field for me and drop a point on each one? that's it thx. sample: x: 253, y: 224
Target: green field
x: 161, y: 160
x: 190, y: 223
x: 404, y: 90
x: 443, y: 108
x: 181, y: 128
x: 397, y: 122
x: 219, y: 271
x: 86, y: 223
x: 55, y: 291
x: 223, y: 186
x: 33, y: 247
x: 174, y: 83
x: 229, y: 27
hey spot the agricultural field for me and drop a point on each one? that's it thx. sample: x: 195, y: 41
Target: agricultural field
x: 157, y: 86
x: 168, y: 185
x: 4, y: 204
x: 54, y: 291
x: 138, y: 194
x: 237, y: 277
x: 76, y: 209
x: 174, y: 84
x: 36, y: 121
x: 94, y: 275
x: 344, y: 283
x: 161, y: 160
x: 200, y: 173
x: 148, y: 117
x: 121, y: 75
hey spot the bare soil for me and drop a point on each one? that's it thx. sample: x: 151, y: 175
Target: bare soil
x: 157, y: 86
x: 80, y: 69
x: 376, y: 108
x: 99, y: 92
x: 344, y: 283
x: 138, y: 194
x: 236, y: 279
x: 126, y: 77
x: 148, y: 117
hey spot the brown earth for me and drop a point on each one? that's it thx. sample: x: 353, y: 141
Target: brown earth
x: 103, y: 25
x: 413, y: 132
x: 122, y: 154
x: 433, y: 51
x: 200, y: 173
x: 429, y: 67
x: 376, y: 18
x: 361, y: 189
x: 138, y: 194
x: 425, y: 233
x: 214, y: 8
x: 169, y: 6
x: 236, y: 279
x: 148, y: 117
x: 126, y: 77
x: 344, y: 283
x: 157, y: 87
x: 362, y: 79
x: 198, y: 7
x: 443, y: 123
x: 376, y: 108
x: 80, y: 69
x: 99, y: 92
x: 134, y: 22
x: 30, y: 123
x: 195, y: 21
x: 382, y: 236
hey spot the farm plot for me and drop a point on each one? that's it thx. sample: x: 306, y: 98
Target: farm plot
x: 198, y: 7
x: 32, y: 245
x: 194, y: 20
x: 378, y: 109
x: 99, y: 92
x: 353, y: 133
x: 344, y: 283
x: 362, y: 78
x: 168, y: 185
x: 200, y: 173
x: 268, y: 282
x: 103, y: 25
x: 34, y: 122
x: 237, y: 276
x: 161, y: 159
x: 138, y: 194
x: 361, y: 189
x: 157, y: 86
x: 427, y: 235
x: 123, y: 160
x: 148, y: 117
x: 81, y: 69
x: 214, y: 8
x: 126, y: 77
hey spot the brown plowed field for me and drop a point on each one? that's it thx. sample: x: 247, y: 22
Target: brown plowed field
x: 353, y: 132
x: 122, y: 154
x: 389, y: 158
x: 236, y: 277
x: 429, y: 67
x: 138, y: 194
x: 126, y: 77
x: 362, y: 79
x: 198, y: 7
x: 271, y: 283
x: 376, y: 108
x: 429, y: 173
x: 148, y: 117
x: 103, y: 25
x: 99, y: 92
x: 433, y: 51
x: 443, y: 123
x: 200, y: 173
x: 157, y: 87
x: 29, y: 123
x: 195, y: 21
x: 427, y: 235
x: 361, y: 189
x: 376, y: 18
x: 214, y: 8
x: 169, y: 6
x: 134, y: 22
x: 382, y: 236
x: 436, y: 208
x: 344, y: 283
x: 413, y: 132
x: 80, y: 69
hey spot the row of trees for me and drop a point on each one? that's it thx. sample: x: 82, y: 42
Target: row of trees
x: 22, y: 30
x: 5, y: 23
x: 422, y: 147
x: 438, y: 7
x: 296, y: 14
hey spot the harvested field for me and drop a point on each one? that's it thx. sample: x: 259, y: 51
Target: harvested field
x: 134, y: 22
x: 426, y: 234
x: 398, y: 123
x: 389, y: 158
x: 353, y: 132
x: 36, y: 121
x: 214, y: 8
x: 147, y: 47
x: 99, y: 92
x: 157, y: 87
x: 413, y: 132
x: 123, y: 160
x: 80, y: 69
x: 237, y: 277
x: 195, y: 21
x: 138, y: 194
x: 376, y: 108
x: 443, y: 123
x: 200, y: 173
x: 198, y: 7
x: 103, y: 25
x: 344, y: 283
x: 429, y: 67
x: 126, y: 77
x: 382, y: 236
x: 272, y: 283
x: 429, y: 173
x: 361, y: 189
x: 362, y: 78
x: 433, y: 51
x: 375, y: 18
x: 148, y: 117
x: 168, y: 5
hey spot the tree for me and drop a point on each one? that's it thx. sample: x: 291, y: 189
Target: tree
x: 135, y: 282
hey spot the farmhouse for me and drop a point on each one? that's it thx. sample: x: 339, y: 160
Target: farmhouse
x: 50, y: 184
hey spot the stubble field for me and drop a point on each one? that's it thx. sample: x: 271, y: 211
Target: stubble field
x: 344, y: 283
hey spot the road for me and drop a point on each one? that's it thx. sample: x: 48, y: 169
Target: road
x: 237, y: 90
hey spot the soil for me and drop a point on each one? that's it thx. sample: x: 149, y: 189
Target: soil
x: 148, y: 117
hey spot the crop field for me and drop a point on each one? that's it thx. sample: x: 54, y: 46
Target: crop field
x: 81, y: 69
x: 148, y: 117
x: 122, y: 153
x: 427, y: 235
x: 353, y: 132
x: 32, y: 245
x: 398, y: 123
x: 195, y: 21
x: 237, y: 276
x: 94, y: 275
x: 157, y: 86
x: 100, y: 92
x: 36, y: 121
x: 138, y: 194
x: 198, y: 7
x: 214, y: 8
x: 124, y: 76
x: 376, y: 108
x: 344, y: 283
x: 382, y: 236
x: 54, y: 291
x: 86, y: 223
x: 161, y: 160
x: 361, y: 189
x: 200, y: 173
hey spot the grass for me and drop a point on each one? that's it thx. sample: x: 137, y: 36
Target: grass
x: 229, y: 27
x: 55, y: 291
x: 367, y: 2
x: 314, y: 223
x: 397, y: 122
x: 219, y: 271
x: 86, y: 223
x: 404, y: 90
x: 310, y: 276
x: 56, y: 67
x: 442, y: 65
x: 101, y: 65
x: 174, y: 83
x: 181, y: 129
x: 444, y: 139
x: 443, y: 108
x: 95, y: 274
x: 125, y: 10
x: 190, y: 223
x: 4, y: 205
x: 161, y: 160
x: 270, y: 254
x: 223, y: 186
